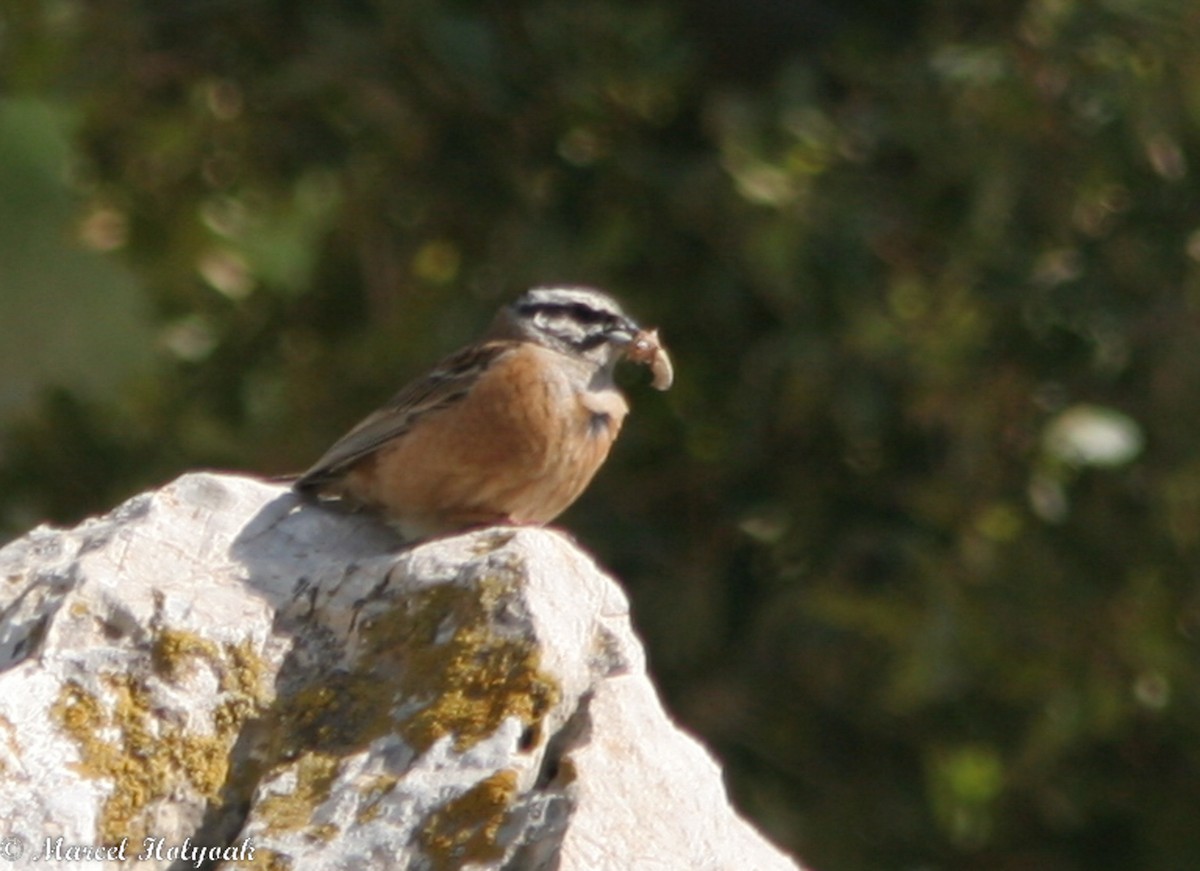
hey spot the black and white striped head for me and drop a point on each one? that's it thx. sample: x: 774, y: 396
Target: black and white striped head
x: 580, y: 321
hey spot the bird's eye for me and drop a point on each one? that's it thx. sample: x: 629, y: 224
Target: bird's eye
x: 585, y: 314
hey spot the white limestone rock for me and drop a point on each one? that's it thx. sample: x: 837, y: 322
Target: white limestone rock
x: 219, y: 667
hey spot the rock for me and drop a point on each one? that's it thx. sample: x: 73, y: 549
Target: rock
x: 217, y: 671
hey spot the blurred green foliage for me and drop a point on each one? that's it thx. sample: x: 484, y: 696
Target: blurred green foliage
x: 68, y: 315
x: 914, y: 540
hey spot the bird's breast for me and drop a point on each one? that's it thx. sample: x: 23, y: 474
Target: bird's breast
x: 520, y: 446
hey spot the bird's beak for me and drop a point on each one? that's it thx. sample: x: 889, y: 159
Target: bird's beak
x: 623, y: 333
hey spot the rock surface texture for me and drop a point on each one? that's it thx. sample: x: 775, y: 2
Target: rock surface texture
x: 218, y: 674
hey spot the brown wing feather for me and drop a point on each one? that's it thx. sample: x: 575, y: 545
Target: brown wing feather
x: 445, y: 385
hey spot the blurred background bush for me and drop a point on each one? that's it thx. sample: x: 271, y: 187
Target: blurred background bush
x: 914, y: 540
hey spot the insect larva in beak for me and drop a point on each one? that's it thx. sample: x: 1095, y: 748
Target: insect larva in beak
x: 648, y: 350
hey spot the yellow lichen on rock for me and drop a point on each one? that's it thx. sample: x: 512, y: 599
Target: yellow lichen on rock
x: 465, y: 829
x: 467, y: 675
x: 372, y: 793
x: 437, y: 650
x: 174, y: 651
x: 266, y: 860
x: 123, y: 736
x: 287, y: 811
x: 435, y: 663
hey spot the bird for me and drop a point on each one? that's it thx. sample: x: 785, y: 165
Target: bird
x: 507, y: 430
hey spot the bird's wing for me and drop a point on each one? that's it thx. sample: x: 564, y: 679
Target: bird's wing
x: 445, y: 385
